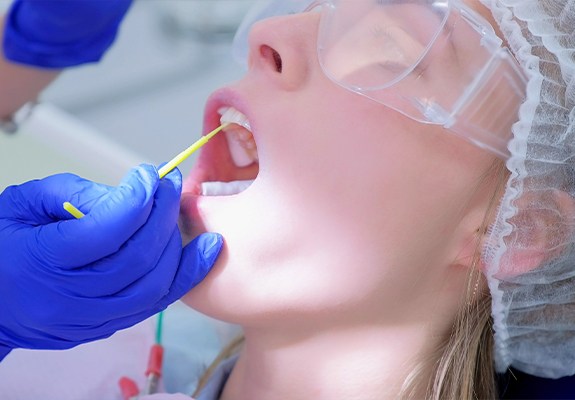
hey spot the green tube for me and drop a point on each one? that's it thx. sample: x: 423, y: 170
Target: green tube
x: 159, y: 327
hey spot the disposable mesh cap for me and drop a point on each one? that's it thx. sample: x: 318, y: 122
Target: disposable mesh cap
x: 530, y: 255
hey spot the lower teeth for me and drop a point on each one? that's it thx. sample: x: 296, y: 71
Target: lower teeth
x: 224, y: 188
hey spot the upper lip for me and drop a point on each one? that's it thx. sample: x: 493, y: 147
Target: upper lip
x: 225, y: 97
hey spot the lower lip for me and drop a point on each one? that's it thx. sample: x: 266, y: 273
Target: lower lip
x: 190, y: 186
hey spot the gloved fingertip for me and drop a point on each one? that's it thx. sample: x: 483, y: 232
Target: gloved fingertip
x: 175, y: 177
x: 211, y: 244
x: 197, y: 261
x: 142, y: 171
x: 142, y: 180
x: 148, y: 172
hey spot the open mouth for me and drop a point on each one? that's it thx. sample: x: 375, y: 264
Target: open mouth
x: 234, y: 166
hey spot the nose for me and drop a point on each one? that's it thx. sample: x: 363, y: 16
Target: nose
x: 284, y: 49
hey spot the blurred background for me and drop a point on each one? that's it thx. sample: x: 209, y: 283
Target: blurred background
x: 143, y: 102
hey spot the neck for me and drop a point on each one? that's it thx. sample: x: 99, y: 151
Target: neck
x: 360, y: 363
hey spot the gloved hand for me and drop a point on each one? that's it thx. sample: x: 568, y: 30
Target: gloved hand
x: 65, y: 281
x: 61, y: 33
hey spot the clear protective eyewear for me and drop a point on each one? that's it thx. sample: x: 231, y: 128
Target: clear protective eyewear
x: 435, y: 61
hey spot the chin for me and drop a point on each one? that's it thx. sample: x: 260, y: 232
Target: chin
x: 223, y: 193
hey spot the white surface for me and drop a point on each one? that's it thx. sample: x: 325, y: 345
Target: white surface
x: 52, y: 141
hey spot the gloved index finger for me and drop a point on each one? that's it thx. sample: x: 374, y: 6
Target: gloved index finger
x: 105, y: 228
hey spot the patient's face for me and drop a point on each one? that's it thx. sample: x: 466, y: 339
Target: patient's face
x: 355, y: 210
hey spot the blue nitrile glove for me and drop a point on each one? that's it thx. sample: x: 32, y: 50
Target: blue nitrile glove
x: 65, y: 281
x: 61, y: 33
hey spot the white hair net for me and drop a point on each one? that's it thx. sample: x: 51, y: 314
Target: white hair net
x: 530, y: 254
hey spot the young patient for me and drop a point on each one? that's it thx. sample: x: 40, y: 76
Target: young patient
x: 355, y: 260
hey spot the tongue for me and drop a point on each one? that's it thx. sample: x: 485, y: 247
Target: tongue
x: 224, y: 188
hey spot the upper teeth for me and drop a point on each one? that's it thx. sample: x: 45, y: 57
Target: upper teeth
x: 240, y: 139
x: 232, y: 116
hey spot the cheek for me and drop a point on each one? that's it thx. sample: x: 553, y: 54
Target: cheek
x: 334, y: 234
x: 345, y: 190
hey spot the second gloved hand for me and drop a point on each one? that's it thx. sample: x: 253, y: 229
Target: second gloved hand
x: 61, y: 33
x: 66, y: 281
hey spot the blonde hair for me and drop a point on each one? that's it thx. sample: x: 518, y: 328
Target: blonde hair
x: 463, y: 364
x: 229, y: 350
x: 465, y: 368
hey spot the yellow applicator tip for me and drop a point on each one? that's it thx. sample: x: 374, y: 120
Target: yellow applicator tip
x: 177, y: 160
x: 73, y: 210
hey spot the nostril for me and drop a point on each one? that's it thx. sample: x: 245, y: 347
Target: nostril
x: 273, y: 56
x: 278, y: 61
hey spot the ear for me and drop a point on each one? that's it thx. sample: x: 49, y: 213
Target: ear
x: 542, y: 226
x: 471, y: 239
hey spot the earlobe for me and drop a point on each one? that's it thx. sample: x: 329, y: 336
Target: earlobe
x: 474, y: 235
x: 542, y: 228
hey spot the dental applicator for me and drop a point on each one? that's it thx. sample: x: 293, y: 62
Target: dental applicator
x: 165, y: 170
